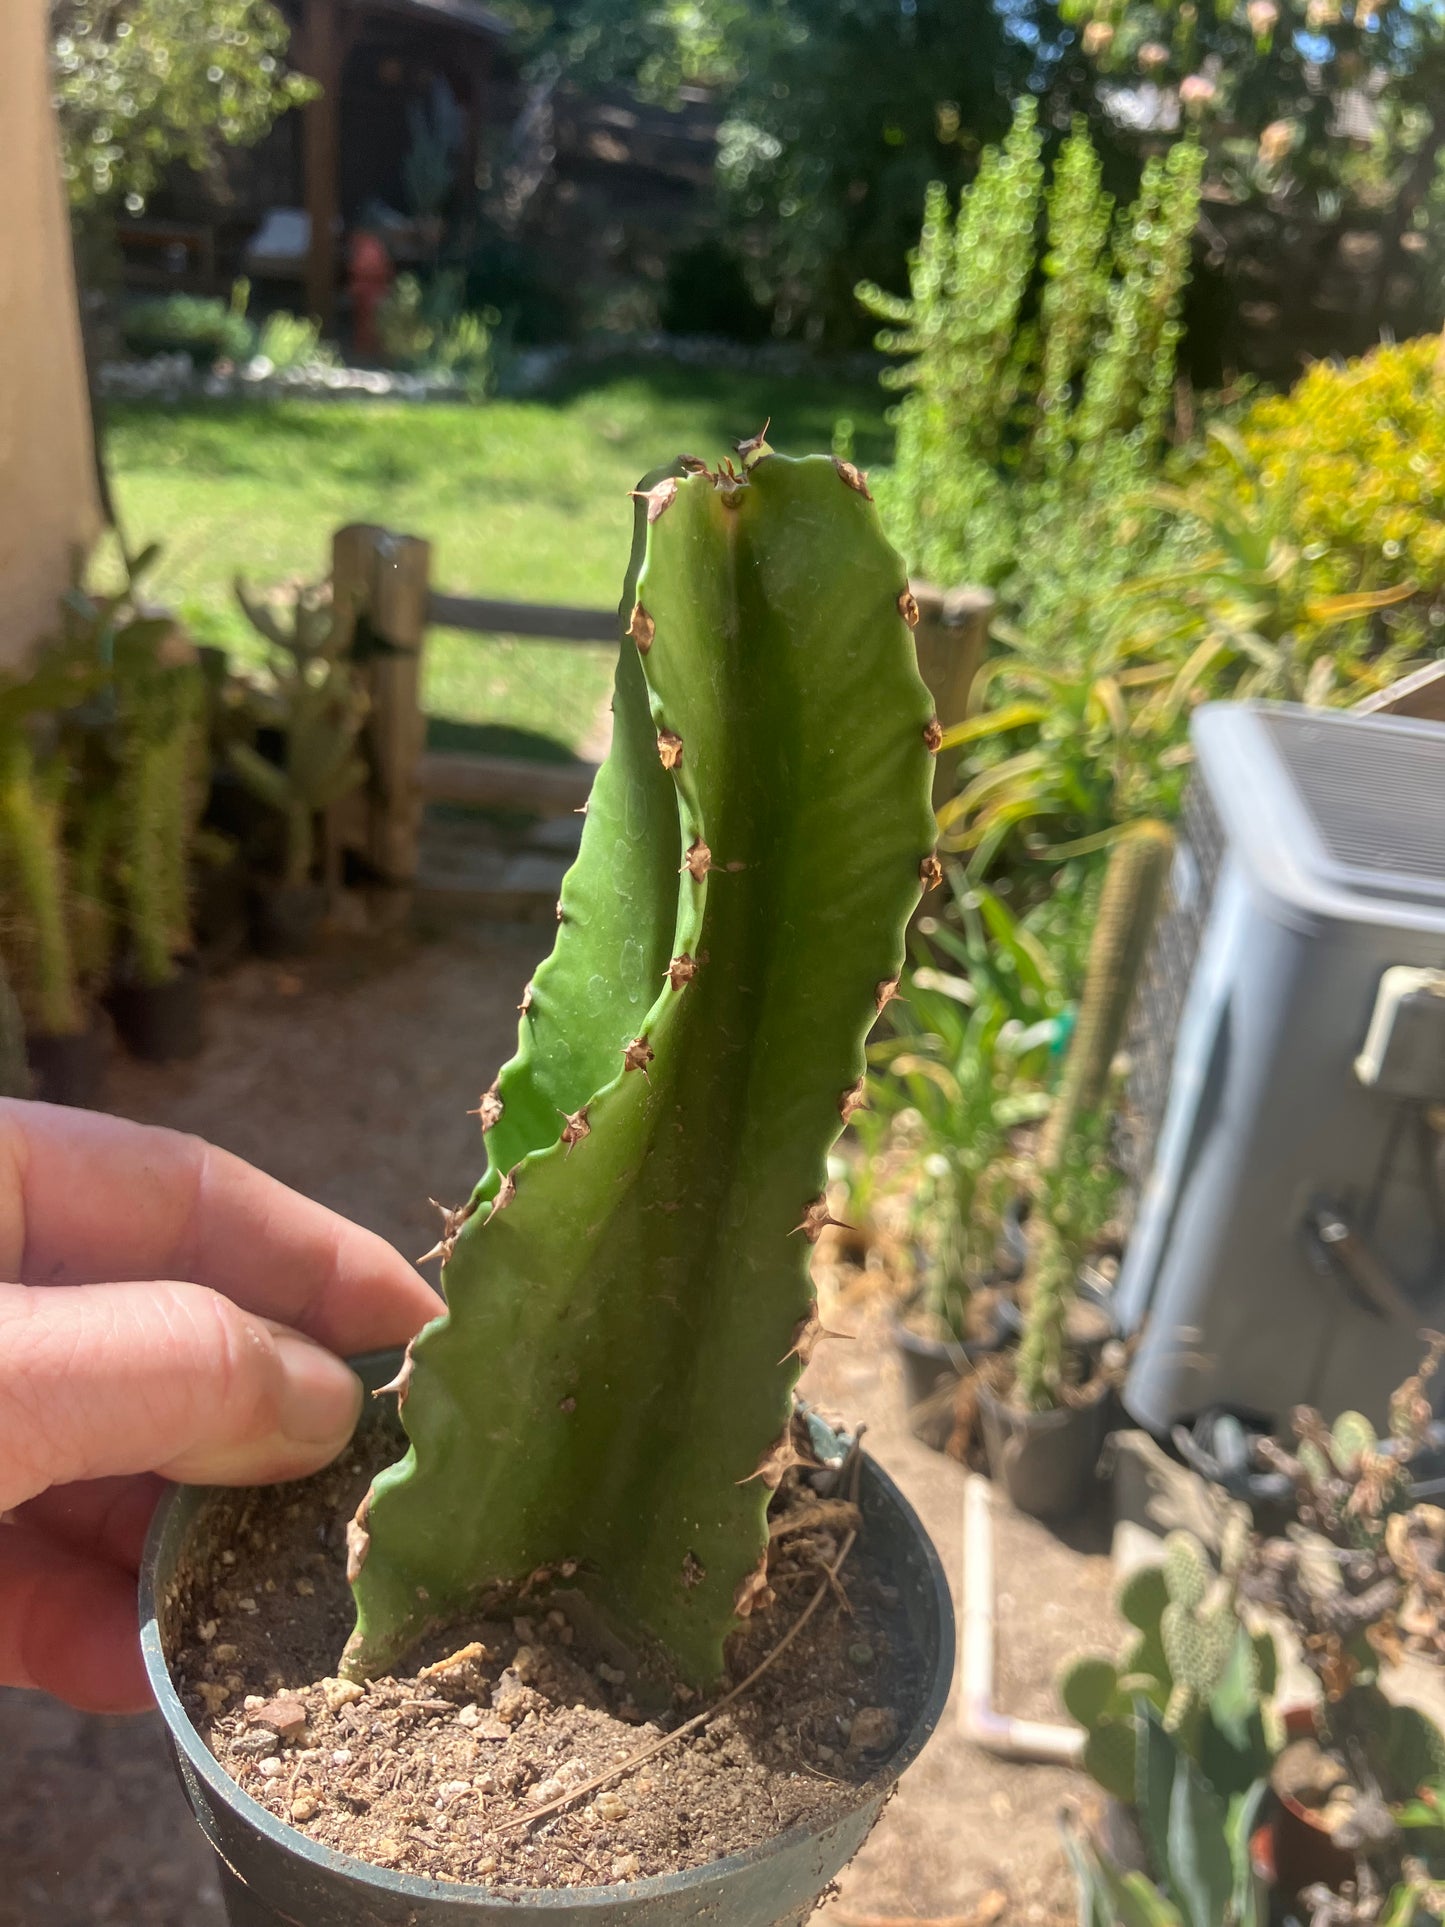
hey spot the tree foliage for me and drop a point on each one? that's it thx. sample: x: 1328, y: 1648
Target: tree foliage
x: 142, y: 84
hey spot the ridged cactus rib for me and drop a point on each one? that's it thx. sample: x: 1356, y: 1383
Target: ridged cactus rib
x: 629, y: 1288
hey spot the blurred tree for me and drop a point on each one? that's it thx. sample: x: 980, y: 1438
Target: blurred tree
x: 838, y: 113
x: 1325, y: 111
x: 141, y: 84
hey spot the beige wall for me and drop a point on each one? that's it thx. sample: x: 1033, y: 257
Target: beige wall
x: 48, y: 500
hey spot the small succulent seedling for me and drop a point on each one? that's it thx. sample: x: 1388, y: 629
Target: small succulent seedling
x: 629, y: 1300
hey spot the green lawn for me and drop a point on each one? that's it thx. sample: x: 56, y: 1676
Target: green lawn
x: 526, y: 499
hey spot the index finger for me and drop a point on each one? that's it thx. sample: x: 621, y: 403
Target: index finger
x: 86, y: 1199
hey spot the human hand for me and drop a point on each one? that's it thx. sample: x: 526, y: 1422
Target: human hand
x: 168, y: 1312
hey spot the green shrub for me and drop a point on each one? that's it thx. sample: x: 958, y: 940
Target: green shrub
x: 205, y: 328
x: 290, y: 341
x: 426, y: 330
x: 1361, y: 448
x: 1016, y: 428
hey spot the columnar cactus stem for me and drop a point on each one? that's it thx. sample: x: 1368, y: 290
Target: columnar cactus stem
x: 610, y: 1389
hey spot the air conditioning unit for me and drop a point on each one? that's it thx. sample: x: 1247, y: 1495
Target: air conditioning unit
x: 1288, y: 1080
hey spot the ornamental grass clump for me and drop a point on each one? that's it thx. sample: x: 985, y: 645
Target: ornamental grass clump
x: 609, y: 1394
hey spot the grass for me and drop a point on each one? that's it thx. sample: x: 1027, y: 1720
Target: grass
x: 521, y: 499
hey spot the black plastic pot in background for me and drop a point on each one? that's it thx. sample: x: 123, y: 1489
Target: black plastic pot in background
x: 931, y: 1365
x: 70, y: 1069
x: 274, y: 1876
x: 161, y: 1023
x: 286, y: 918
x: 1045, y: 1461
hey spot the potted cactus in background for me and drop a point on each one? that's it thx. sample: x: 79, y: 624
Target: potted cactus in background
x: 1044, y: 1430
x: 160, y: 791
x: 316, y: 705
x: 962, y: 1073
x: 42, y: 924
x: 602, y: 1442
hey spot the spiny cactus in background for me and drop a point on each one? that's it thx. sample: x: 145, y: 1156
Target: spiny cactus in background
x: 160, y: 703
x: 1128, y: 909
x: 629, y: 1300
x: 40, y: 950
x: 1192, y: 1661
x: 317, y: 701
x: 1198, y: 1843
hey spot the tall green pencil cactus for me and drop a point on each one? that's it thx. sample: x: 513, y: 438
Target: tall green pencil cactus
x: 628, y: 1288
x: 32, y: 846
x: 161, y: 701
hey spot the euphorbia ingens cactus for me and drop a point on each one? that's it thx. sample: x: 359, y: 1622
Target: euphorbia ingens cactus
x: 629, y: 1296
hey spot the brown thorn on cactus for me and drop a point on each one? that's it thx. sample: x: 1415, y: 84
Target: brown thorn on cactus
x: 642, y: 628
x: 933, y: 735
x: 930, y: 873
x: 638, y: 1055
x: 755, y: 448
x: 506, y: 1191
x: 729, y: 484
x: 581, y: 809
x: 693, y: 1570
x: 692, y: 465
x: 453, y: 1218
x: 816, y: 1219
x: 559, y: 910
x: 779, y: 1458
x: 754, y: 1594
x: 659, y: 500
x: 807, y: 1337
x: 526, y: 1004
x: 682, y: 970
x: 854, y: 477
x: 884, y: 993
x: 358, y: 1539
x: 489, y: 1108
x: 698, y: 860
x: 669, y: 748
x: 574, y: 1127
x: 854, y: 1099
x: 402, y: 1382
x: 908, y: 607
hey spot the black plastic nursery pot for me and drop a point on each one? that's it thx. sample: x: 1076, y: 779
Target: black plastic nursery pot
x: 1045, y: 1461
x: 932, y: 1364
x: 161, y: 1023
x: 286, y: 918
x: 274, y: 1876
x: 70, y: 1069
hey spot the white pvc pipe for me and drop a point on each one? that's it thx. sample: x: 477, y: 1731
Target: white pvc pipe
x: 997, y: 1733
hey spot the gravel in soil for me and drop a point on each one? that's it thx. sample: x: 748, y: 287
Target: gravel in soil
x: 437, y: 1771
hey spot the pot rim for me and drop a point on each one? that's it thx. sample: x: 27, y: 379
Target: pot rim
x: 201, y: 1762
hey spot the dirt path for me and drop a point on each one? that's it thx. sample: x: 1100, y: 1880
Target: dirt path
x: 350, y: 1078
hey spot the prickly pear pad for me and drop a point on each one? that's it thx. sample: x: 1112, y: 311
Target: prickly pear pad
x: 628, y: 1291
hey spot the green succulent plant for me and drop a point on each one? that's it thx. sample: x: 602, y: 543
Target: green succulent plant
x: 1193, y: 1661
x: 316, y: 698
x: 160, y: 717
x: 628, y: 1287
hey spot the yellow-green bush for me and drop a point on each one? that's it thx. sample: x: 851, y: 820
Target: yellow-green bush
x: 1362, y: 447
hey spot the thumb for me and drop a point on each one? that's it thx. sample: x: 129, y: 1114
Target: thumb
x: 172, y: 1378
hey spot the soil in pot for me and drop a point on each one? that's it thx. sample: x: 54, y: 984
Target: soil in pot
x: 70, y: 1069
x: 505, y: 1712
x: 161, y: 1023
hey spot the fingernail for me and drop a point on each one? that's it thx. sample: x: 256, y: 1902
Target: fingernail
x: 320, y: 1396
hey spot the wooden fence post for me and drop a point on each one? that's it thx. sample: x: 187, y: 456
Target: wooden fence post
x: 383, y: 579
x: 951, y: 638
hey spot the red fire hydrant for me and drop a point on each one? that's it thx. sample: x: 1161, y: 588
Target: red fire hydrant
x: 369, y: 274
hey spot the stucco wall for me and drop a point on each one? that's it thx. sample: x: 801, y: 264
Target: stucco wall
x: 48, y: 502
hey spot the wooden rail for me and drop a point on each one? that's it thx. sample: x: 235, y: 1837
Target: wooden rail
x: 483, y: 617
